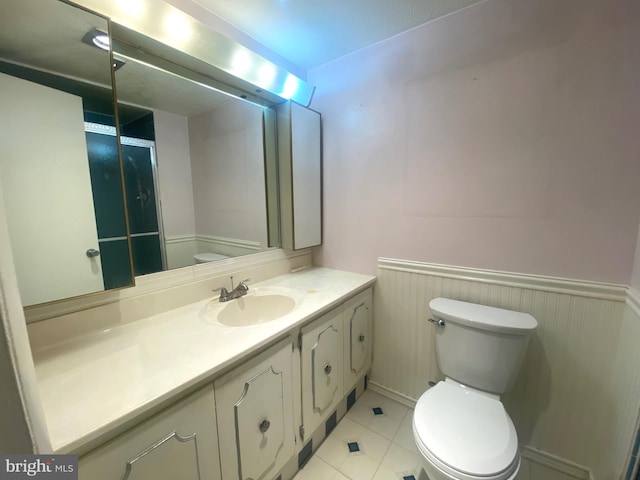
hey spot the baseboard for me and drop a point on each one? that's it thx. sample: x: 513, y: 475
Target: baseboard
x: 556, y: 464
x: 392, y: 394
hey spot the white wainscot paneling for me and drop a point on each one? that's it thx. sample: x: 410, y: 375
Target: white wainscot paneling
x: 180, y: 251
x: 577, y: 396
x: 232, y: 247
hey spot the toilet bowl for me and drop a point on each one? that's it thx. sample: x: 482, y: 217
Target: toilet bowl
x: 460, y: 426
x: 208, y: 257
x: 464, y: 434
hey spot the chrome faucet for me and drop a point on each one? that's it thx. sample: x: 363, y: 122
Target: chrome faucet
x: 237, y: 292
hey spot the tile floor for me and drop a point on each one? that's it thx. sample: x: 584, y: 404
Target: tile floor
x: 366, y: 446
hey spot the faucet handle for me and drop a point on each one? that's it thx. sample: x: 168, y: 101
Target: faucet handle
x: 243, y: 284
x: 224, y: 294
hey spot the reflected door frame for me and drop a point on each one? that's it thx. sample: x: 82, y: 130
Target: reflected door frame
x: 142, y: 143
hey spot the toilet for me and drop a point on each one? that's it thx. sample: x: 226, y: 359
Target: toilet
x: 208, y: 257
x: 460, y: 426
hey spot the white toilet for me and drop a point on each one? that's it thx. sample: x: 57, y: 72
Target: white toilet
x: 459, y: 425
x: 208, y: 257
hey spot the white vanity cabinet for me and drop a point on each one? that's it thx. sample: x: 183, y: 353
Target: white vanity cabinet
x: 249, y: 422
x: 357, y: 338
x: 255, y: 414
x: 178, y: 443
x: 322, y: 368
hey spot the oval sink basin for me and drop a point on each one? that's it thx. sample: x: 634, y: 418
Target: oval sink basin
x: 251, y: 309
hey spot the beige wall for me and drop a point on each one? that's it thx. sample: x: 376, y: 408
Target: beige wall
x: 502, y: 136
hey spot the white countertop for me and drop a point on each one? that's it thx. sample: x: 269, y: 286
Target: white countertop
x: 96, y: 382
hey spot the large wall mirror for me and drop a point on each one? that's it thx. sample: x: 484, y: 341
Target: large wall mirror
x: 120, y: 155
x: 194, y: 166
x: 62, y: 190
x: 188, y: 187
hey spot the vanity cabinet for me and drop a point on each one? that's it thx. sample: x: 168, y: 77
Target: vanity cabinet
x: 322, y: 368
x: 247, y: 423
x: 357, y: 341
x: 255, y: 414
x: 178, y: 443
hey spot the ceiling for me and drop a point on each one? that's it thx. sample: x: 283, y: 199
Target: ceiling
x: 311, y: 33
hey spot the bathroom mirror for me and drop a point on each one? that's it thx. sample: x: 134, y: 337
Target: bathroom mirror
x: 300, y: 175
x: 205, y: 158
x: 62, y: 191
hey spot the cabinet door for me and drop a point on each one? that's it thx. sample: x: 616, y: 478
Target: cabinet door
x: 179, y: 443
x: 322, y: 368
x: 357, y: 338
x: 300, y: 175
x: 255, y: 416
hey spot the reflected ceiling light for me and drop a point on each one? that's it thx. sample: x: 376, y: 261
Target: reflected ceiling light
x: 266, y: 75
x: 97, y: 38
x: 132, y: 8
x: 177, y: 26
x: 240, y: 62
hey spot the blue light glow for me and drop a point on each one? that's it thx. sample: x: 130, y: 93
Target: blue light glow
x: 290, y: 87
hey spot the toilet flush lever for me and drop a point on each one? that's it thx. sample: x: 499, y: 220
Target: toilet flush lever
x: 438, y: 322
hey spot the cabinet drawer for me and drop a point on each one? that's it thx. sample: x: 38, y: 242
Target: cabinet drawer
x: 178, y: 443
x: 255, y: 415
x: 357, y: 338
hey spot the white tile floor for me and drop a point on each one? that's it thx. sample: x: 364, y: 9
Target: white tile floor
x: 387, y: 451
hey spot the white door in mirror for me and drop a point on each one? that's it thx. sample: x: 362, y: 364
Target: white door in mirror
x: 39, y: 123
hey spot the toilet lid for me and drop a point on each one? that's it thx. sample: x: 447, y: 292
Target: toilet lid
x: 466, y: 431
x: 209, y: 257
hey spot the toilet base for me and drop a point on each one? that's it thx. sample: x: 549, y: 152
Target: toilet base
x: 432, y: 472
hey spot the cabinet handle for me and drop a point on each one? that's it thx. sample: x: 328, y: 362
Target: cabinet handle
x: 361, y: 338
x: 264, y: 426
x: 327, y: 369
x: 92, y: 252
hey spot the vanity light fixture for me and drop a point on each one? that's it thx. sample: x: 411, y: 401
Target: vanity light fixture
x: 97, y: 38
x: 118, y: 63
x: 167, y: 26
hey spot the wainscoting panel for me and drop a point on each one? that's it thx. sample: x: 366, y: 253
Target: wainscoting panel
x: 577, y: 395
x: 232, y: 247
x: 181, y: 249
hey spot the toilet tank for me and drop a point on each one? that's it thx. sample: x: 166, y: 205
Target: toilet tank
x: 480, y: 346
